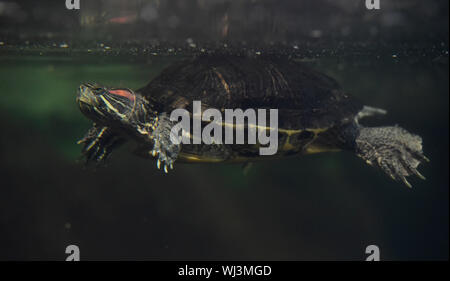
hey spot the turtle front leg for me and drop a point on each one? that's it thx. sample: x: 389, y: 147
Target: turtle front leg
x: 163, y: 147
x: 98, y: 144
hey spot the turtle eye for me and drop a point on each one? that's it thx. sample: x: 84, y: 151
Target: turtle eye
x: 98, y: 90
x: 123, y: 93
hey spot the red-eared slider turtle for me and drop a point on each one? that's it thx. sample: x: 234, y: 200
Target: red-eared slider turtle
x: 314, y: 114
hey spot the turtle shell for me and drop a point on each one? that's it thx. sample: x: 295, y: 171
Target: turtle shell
x: 304, y: 97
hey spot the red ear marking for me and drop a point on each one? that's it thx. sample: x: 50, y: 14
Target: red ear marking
x: 123, y: 93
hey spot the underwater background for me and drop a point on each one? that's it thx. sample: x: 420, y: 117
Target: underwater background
x: 327, y: 206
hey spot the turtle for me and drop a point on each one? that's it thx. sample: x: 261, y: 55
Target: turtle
x: 314, y: 115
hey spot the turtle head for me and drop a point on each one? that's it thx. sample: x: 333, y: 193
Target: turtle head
x: 105, y: 105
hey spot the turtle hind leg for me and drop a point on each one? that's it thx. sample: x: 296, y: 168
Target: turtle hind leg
x: 397, y: 152
x: 98, y: 144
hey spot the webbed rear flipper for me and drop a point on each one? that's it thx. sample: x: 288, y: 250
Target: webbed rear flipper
x: 98, y: 144
x: 397, y: 152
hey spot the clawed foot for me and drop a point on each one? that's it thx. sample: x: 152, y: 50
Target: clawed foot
x: 397, y: 152
x: 164, y: 148
x: 402, y: 163
x: 98, y: 144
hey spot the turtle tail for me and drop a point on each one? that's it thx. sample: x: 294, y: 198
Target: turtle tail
x: 393, y: 149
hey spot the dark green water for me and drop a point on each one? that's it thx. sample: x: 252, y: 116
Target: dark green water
x: 328, y: 206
